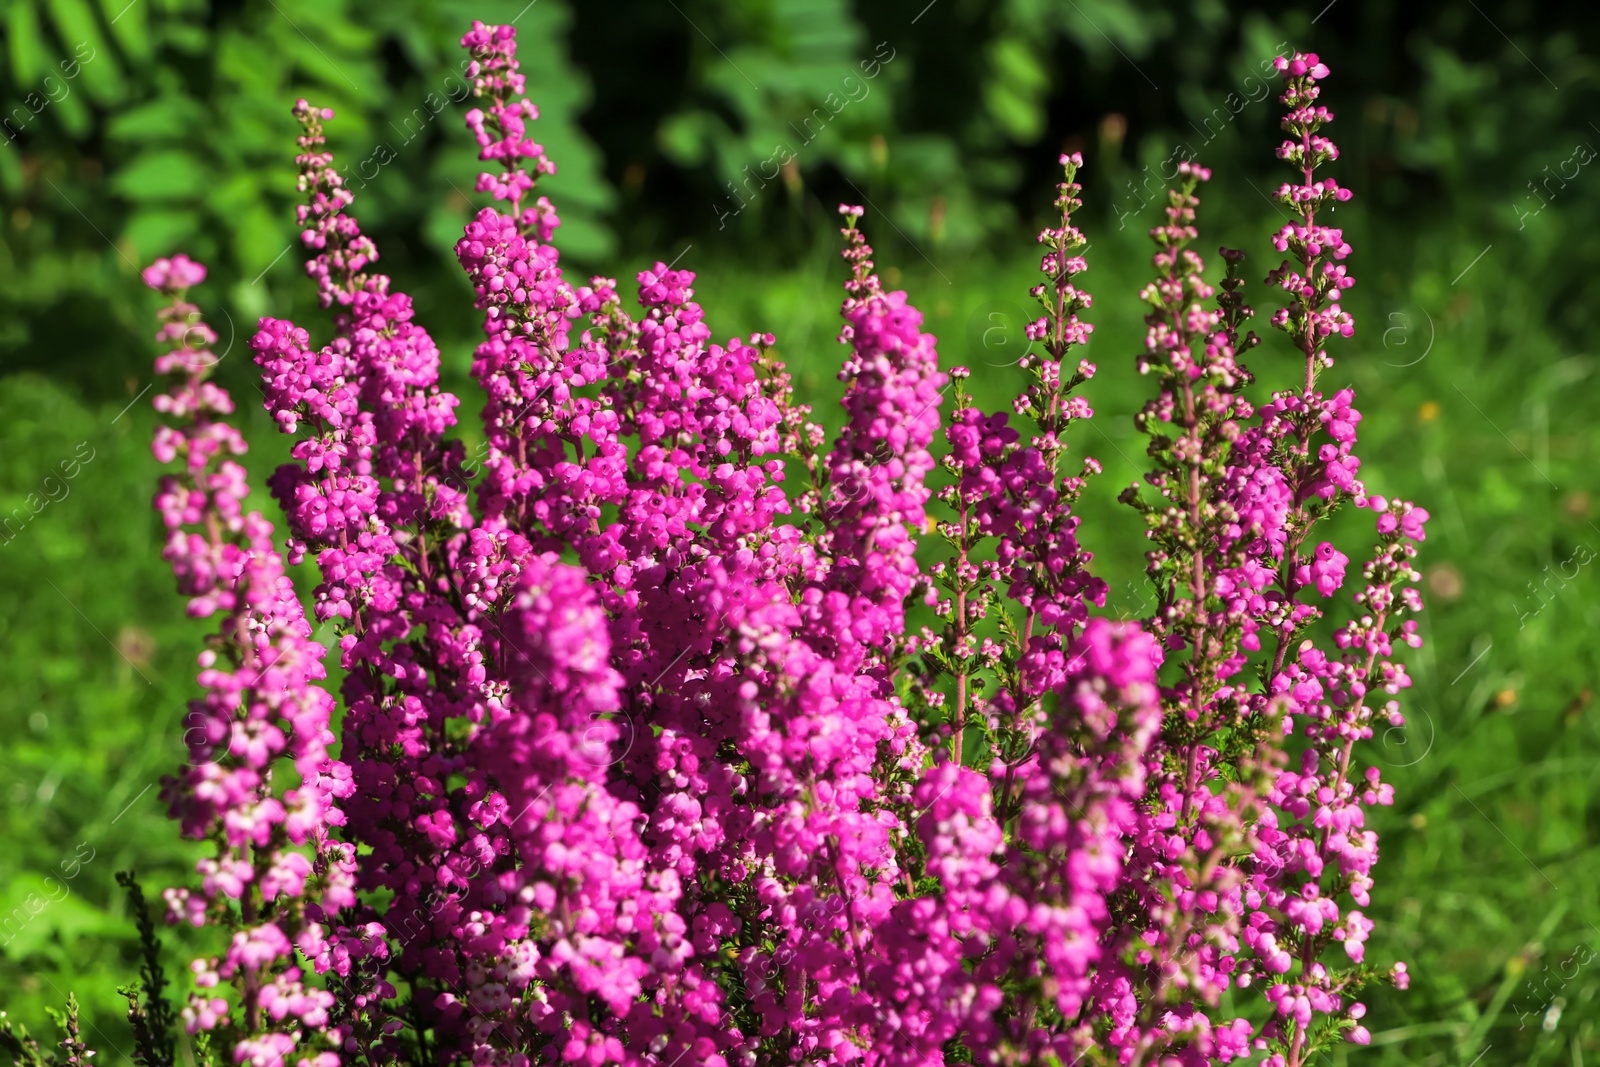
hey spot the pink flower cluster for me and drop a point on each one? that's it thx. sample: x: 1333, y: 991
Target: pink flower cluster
x: 279, y: 872
x: 646, y: 759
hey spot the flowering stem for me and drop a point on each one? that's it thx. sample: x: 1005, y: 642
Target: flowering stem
x: 962, y: 631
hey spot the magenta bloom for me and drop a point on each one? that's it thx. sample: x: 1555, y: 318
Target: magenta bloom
x: 647, y: 754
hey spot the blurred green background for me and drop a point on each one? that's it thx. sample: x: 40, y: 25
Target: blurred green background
x: 719, y: 134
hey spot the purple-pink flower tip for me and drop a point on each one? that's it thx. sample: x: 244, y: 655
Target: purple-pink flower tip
x: 1300, y: 65
x: 179, y: 272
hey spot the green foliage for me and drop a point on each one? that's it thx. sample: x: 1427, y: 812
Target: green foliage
x: 149, y: 1009
x: 151, y: 125
x: 24, y: 1050
x: 18, y: 1044
x: 1475, y: 235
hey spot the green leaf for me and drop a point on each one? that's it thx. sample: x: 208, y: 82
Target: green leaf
x: 260, y: 236
x: 166, y: 174
x: 1021, y: 118
x: 684, y: 137
x: 10, y: 172
x: 80, y: 31
x: 157, y: 231
x: 1015, y: 92
x: 1016, y: 65
x: 130, y: 25
x: 73, y: 114
x: 28, y: 59
x: 184, y: 37
x: 36, y: 911
x: 169, y: 117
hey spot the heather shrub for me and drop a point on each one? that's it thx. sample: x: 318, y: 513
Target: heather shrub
x: 671, y: 730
